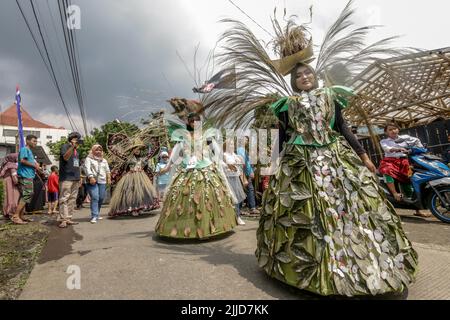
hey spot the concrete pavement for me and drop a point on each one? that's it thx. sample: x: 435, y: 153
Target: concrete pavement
x: 122, y: 259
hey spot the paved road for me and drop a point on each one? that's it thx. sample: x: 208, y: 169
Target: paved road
x: 122, y: 259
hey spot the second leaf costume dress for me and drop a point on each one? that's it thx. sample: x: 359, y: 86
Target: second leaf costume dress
x: 198, y: 203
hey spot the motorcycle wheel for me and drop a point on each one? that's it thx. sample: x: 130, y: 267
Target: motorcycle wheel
x: 435, y: 205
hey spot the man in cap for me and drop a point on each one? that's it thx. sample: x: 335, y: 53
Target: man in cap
x: 69, y: 179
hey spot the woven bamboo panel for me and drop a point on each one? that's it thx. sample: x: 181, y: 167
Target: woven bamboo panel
x: 412, y: 90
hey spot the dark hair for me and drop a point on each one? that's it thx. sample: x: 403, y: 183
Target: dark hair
x: 193, y: 115
x: 54, y: 168
x: 294, y: 76
x: 74, y: 135
x: 391, y: 124
x: 30, y: 137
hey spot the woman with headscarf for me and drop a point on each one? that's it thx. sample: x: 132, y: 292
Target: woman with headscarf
x: 134, y: 193
x: 98, y: 177
x: 8, y: 172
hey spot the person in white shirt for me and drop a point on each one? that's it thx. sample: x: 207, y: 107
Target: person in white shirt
x: 395, y: 165
x: 98, y: 177
x: 162, y: 180
x: 233, y: 168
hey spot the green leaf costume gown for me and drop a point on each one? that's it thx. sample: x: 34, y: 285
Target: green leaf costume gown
x: 326, y: 227
x: 198, y: 203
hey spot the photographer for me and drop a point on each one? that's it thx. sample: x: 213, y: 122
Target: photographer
x: 69, y: 179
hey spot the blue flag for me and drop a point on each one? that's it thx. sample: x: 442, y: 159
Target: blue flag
x: 19, y: 118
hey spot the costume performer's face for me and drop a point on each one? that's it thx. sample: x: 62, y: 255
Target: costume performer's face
x: 191, y: 122
x: 137, y: 151
x: 392, y: 132
x: 305, y: 79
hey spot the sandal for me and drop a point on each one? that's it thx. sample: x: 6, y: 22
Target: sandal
x: 18, y: 221
x: 422, y: 214
x: 62, y: 225
x: 71, y: 223
x: 398, y: 197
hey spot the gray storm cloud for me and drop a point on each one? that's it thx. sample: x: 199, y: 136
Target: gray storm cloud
x: 128, y: 48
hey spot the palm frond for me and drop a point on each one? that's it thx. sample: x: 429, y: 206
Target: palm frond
x: 344, y: 52
x: 257, y: 78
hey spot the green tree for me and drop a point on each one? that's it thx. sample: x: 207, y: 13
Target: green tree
x: 84, y: 149
x: 101, y: 135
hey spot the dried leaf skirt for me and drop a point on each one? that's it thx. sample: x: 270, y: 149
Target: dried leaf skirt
x: 197, y: 206
x: 327, y: 228
x: 134, y: 192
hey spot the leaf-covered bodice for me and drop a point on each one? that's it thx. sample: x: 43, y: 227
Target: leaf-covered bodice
x: 137, y: 163
x: 311, y: 115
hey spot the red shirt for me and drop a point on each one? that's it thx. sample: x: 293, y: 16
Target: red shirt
x: 53, y: 183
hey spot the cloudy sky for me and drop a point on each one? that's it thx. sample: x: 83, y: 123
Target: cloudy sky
x: 128, y: 49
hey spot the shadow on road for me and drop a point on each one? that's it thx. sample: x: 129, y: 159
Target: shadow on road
x: 59, y: 243
x: 420, y: 220
x: 246, y: 265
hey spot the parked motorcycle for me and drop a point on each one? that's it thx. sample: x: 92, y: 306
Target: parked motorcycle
x: 431, y: 184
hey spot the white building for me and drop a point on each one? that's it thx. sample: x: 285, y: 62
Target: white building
x: 44, y: 132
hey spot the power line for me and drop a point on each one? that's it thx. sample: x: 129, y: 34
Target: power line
x: 83, y: 92
x: 72, y: 61
x: 254, y: 21
x: 50, y: 63
x: 61, y: 51
x: 73, y: 50
x: 32, y: 35
x: 54, y: 80
x: 78, y: 74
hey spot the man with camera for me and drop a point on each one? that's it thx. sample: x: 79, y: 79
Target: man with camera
x: 69, y: 179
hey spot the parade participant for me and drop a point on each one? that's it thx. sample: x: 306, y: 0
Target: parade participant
x: 233, y: 168
x: 8, y: 172
x: 199, y: 202
x: 162, y: 180
x: 99, y: 176
x: 395, y: 164
x: 27, y: 167
x: 134, y: 193
x: 250, y: 177
x: 325, y: 225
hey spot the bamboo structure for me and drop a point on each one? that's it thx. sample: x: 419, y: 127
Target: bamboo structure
x: 411, y: 90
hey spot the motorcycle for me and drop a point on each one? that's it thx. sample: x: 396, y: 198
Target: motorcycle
x: 431, y: 184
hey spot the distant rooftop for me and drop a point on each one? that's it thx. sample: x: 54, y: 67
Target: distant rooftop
x: 9, y: 118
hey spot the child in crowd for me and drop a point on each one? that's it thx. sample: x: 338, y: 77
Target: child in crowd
x: 162, y: 179
x: 53, y: 188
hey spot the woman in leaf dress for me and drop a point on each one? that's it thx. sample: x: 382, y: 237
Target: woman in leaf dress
x: 325, y: 225
x: 198, y: 203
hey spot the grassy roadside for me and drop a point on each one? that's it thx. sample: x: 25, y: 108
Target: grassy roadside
x: 20, y: 246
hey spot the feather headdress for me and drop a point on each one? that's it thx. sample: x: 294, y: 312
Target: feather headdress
x: 343, y: 54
